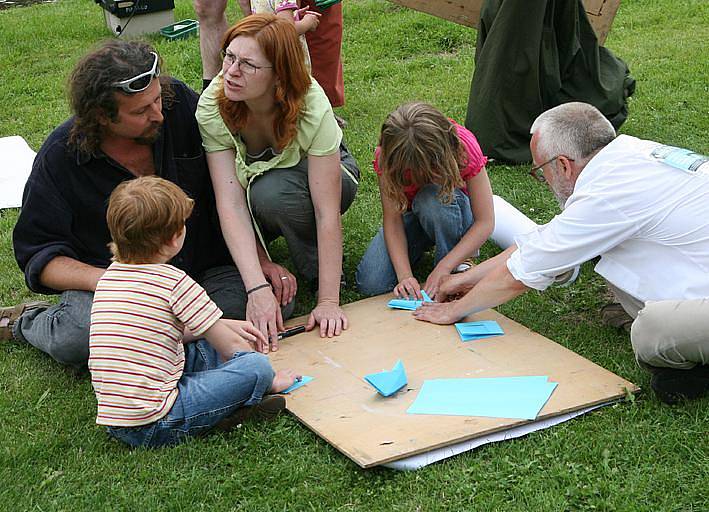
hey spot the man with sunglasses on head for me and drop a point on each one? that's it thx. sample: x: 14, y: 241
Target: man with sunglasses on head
x: 129, y: 121
x: 641, y: 206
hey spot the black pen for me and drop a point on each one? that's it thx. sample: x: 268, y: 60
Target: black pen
x: 291, y: 332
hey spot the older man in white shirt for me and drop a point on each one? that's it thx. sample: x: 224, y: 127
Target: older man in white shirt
x: 644, y: 209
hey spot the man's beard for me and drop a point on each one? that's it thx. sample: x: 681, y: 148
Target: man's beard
x: 150, y: 135
x: 562, y: 191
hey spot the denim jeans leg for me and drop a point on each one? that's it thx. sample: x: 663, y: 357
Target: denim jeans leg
x: 62, y: 331
x: 375, y: 272
x: 208, y: 392
x: 445, y: 224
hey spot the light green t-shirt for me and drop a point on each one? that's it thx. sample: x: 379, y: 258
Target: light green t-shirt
x: 317, y: 132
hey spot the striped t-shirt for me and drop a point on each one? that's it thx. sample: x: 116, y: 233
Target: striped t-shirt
x: 136, y: 355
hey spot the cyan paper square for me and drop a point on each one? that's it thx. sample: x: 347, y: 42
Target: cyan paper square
x: 500, y: 397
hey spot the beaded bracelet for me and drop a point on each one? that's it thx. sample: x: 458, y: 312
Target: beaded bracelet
x: 264, y: 285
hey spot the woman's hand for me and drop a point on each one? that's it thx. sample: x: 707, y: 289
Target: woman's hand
x: 331, y: 318
x: 263, y: 311
x: 408, y: 287
x: 284, y: 283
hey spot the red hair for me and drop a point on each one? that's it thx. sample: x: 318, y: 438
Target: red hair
x: 279, y: 42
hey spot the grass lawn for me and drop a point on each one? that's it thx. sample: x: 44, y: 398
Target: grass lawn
x: 638, y: 455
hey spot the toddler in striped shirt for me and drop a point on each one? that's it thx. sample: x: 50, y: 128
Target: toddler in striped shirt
x: 164, y: 365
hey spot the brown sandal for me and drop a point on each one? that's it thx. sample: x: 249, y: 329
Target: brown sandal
x: 9, y: 315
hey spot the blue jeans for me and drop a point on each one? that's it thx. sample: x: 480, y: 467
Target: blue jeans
x: 429, y: 223
x: 62, y: 330
x: 208, y: 392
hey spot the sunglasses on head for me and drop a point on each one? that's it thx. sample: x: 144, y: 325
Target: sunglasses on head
x: 140, y: 82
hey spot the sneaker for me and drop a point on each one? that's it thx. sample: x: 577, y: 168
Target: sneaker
x: 466, y: 265
x: 268, y: 409
x: 672, y: 385
x: 9, y: 315
x: 614, y: 315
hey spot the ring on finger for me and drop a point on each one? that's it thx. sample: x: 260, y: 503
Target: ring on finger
x: 284, y: 278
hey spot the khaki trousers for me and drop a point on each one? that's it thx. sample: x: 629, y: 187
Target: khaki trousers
x: 668, y: 333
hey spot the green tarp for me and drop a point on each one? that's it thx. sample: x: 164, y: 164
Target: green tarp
x: 532, y: 55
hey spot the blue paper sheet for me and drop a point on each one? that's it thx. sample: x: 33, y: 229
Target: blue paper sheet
x: 303, y: 381
x: 469, y: 331
x: 409, y: 304
x: 388, y: 383
x: 499, y: 397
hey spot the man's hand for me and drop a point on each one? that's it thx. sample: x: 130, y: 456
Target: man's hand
x: 284, y: 283
x: 331, y: 318
x: 408, y: 287
x: 438, y: 313
x: 452, y: 286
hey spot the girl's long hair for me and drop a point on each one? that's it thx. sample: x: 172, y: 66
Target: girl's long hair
x: 279, y: 42
x: 419, y: 146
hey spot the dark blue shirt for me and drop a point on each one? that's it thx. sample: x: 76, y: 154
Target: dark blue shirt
x: 66, y: 196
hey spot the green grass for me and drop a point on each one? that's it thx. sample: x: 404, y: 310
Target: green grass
x: 638, y: 455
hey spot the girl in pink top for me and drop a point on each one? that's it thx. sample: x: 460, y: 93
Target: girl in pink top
x: 434, y: 192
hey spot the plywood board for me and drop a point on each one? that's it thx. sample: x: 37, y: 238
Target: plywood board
x: 343, y: 409
x: 467, y: 12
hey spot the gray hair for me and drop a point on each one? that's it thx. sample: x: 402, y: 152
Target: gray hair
x: 576, y: 130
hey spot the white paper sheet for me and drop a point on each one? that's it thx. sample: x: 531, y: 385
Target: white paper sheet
x: 16, y: 159
x: 424, y: 459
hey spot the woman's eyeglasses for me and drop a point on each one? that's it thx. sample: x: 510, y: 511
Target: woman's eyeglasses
x: 140, y: 82
x: 242, y: 65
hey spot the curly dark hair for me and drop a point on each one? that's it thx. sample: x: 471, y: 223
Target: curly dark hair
x: 92, y: 95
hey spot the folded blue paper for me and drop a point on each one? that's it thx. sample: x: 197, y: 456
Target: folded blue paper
x: 388, y: 383
x: 499, y: 397
x: 469, y: 331
x: 409, y: 304
x: 302, y: 382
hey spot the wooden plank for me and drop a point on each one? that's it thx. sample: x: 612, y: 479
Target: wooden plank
x: 371, y: 430
x: 467, y: 12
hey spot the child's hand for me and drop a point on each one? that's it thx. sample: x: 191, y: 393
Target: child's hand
x: 309, y: 20
x: 408, y: 287
x: 433, y: 282
x: 249, y: 333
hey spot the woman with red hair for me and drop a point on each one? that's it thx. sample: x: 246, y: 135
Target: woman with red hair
x: 276, y: 158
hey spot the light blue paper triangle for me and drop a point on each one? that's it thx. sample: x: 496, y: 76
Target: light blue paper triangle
x: 388, y: 383
x: 302, y: 382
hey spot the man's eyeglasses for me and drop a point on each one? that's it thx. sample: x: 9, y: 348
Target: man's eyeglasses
x: 539, y: 176
x: 242, y: 65
x: 142, y: 81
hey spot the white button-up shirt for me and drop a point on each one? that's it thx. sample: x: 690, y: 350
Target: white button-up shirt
x: 647, y: 220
